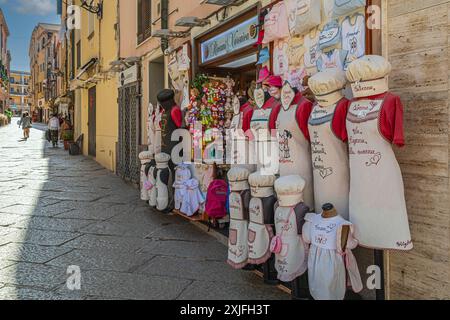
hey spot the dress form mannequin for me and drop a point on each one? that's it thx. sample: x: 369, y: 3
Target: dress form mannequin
x: 239, y: 201
x: 329, y: 150
x: 290, y: 251
x: 374, y: 123
x: 331, y: 264
x: 293, y: 139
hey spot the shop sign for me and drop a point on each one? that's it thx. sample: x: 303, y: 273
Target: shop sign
x: 128, y: 76
x: 238, y: 37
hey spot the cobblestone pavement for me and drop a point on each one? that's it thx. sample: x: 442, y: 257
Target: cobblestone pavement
x: 58, y: 211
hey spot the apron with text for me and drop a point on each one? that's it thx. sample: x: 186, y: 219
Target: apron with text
x: 238, y: 234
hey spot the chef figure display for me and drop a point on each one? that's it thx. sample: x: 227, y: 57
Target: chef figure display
x: 260, y: 229
x: 290, y: 250
x: 239, y: 200
x: 374, y: 124
x: 267, y: 107
x: 163, y: 178
x: 331, y: 263
x: 328, y: 134
x: 293, y: 139
x: 237, y: 146
x: 145, y: 158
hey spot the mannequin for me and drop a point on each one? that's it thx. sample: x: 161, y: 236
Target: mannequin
x: 182, y: 175
x: 261, y: 120
x: 163, y: 177
x: 170, y: 119
x: 329, y: 151
x: 145, y: 157
x: 374, y: 123
x: 331, y: 264
x: 260, y: 229
x: 290, y: 251
x: 293, y: 139
x: 239, y: 200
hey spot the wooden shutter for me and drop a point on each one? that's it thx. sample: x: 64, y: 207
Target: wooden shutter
x: 140, y: 35
x: 144, y: 17
x: 148, y: 19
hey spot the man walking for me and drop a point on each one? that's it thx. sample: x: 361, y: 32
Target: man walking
x: 53, y: 126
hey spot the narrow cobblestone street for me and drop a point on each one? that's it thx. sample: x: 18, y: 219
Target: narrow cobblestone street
x: 58, y: 211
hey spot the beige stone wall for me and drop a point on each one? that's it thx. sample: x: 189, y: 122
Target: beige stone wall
x: 417, y: 44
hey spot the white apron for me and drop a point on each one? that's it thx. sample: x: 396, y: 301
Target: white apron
x: 143, y: 181
x: 295, y: 151
x: 329, y: 267
x: 237, y: 240
x: 152, y: 181
x: 329, y: 160
x: 292, y: 261
x: 377, y: 199
x: 237, y: 147
x: 259, y: 234
x: 259, y: 146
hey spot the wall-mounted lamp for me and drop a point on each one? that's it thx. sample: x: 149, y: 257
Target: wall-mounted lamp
x: 96, y: 9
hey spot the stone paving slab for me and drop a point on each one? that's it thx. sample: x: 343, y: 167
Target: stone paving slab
x: 17, y: 293
x: 128, y: 286
x: 52, y: 224
x: 41, y: 237
x: 89, y: 241
x: 10, y: 219
x: 20, y: 252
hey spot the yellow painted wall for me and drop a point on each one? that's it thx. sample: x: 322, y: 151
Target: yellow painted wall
x: 102, y: 44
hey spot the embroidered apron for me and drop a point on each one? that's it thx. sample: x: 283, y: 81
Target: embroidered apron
x: 260, y: 232
x: 295, y: 151
x: 259, y: 146
x: 143, y: 181
x: 330, y: 161
x: 291, y: 262
x: 237, y: 240
x: 377, y: 200
x: 238, y: 145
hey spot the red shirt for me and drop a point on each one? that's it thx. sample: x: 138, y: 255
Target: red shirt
x: 339, y: 123
x: 391, y: 118
x: 177, y: 116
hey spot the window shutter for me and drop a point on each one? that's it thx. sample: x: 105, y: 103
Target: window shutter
x: 148, y: 19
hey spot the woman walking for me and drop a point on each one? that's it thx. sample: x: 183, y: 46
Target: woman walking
x: 53, y: 126
x: 25, y: 122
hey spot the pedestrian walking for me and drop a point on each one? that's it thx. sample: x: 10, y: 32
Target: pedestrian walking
x: 53, y: 126
x: 26, y: 124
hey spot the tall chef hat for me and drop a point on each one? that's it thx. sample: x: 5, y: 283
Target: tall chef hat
x: 162, y: 158
x: 290, y: 190
x: 326, y: 82
x: 145, y: 156
x: 368, y: 68
x: 238, y: 179
x: 261, y: 185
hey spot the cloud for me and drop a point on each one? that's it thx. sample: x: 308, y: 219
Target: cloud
x: 36, y: 7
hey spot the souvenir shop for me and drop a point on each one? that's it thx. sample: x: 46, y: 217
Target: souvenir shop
x: 311, y: 72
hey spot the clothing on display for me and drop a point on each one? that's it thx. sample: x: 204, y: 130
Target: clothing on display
x: 293, y: 143
x: 312, y: 53
x: 192, y: 198
x: 239, y: 201
x: 280, y: 57
x: 333, y: 59
x: 151, y: 176
x: 164, y: 194
x: 330, y: 35
x: 329, y: 150
x: 354, y: 36
x: 288, y: 246
x: 275, y: 23
x: 303, y: 15
x: 295, y: 51
x: 261, y: 216
x: 182, y: 175
x: 331, y: 263
x: 374, y: 124
x: 343, y: 7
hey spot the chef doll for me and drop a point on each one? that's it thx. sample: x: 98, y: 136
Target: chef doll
x: 374, y: 124
x: 327, y: 130
x: 293, y: 139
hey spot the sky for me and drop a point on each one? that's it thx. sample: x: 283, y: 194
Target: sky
x: 22, y: 16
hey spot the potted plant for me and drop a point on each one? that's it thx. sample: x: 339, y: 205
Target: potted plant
x: 67, y: 137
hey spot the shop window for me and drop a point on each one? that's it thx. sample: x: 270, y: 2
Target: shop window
x: 144, y: 20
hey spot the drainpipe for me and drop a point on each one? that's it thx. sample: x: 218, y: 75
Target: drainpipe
x: 164, y: 23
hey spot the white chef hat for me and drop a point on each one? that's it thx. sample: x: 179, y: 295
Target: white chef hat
x: 261, y: 185
x: 289, y: 190
x: 162, y: 159
x: 145, y: 156
x: 238, y: 179
x: 326, y: 82
x: 367, y: 68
